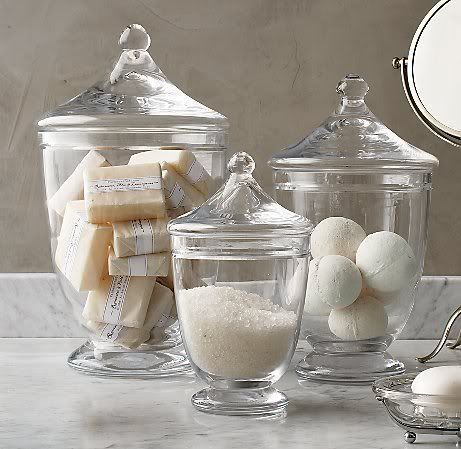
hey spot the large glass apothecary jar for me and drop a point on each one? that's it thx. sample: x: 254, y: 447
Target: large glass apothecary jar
x: 367, y: 192
x: 120, y: 160
x: 240, y: 263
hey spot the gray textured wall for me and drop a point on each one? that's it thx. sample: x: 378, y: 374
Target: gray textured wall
x: 270, y: 66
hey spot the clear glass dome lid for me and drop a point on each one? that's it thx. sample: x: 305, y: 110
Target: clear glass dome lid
x: 241, y: 210
x: 353, y: 138
x: 135, y: 95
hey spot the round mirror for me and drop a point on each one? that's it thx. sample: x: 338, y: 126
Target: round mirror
x: 432, y: 72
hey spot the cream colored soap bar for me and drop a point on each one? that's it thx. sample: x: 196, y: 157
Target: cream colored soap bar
x: 183, y: 162
x: 143, y: 265
x: 164, y: 298
x: 168, y: 280
x: 157, y: 317
x: 82, y: 249
x: 135, y: 237
x: 72, y: 188
x: 178, y: 192
x: 123, y: 193
x: 120, y: 300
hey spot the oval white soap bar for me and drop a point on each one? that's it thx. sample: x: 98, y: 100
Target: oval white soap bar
x: 336, y: 235
x: 442, y: 381
x: 363, y: 319
x: 386, y: 261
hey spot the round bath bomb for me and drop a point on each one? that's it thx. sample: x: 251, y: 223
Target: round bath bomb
x: 336, y: 235
x: 386, y: 261
x: 442, y: 381
x: 334, y: 280
x: 314, y: 304
x: 365, y: 318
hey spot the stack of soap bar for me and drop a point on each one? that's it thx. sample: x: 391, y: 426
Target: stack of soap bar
x: 143, y: 265
x: 132, y: 238
x: 72, y: 188
x: 157, y: 317
x: 178, y: 192
x: 82, y: 249
x: 182, y: 161
x: 120, y: 300
x: 123, y: 193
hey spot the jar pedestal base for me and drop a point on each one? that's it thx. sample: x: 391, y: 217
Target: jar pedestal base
x: 251, y: 402
x: 143, y: 363
x: 347, y: 368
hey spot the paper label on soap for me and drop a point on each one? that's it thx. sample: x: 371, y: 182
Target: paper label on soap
x: 143, y: 235
x: 195, y: 172
x: 74, y: 240
x: 110, y: 332
x: 115, y: 298
x: 175, y: 196
x: 124, y: 184
x: 137, y: 266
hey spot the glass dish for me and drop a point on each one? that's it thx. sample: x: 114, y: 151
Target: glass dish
x: 134, y: 110
x: 240, y: 264
x: 417, y: 413
x: 354, y: 168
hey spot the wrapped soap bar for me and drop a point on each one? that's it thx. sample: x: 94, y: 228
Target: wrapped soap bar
x: 72, y: 188
x: 157, y: 317
x: 120, y: 300
x: 169, y: 317
x: 135, y: 237
x: 183, y: 162
x: 168, y: 280
x: 82, y: 248
x: 123, y: 193
x: 178, y: 192
x: 143, y: 265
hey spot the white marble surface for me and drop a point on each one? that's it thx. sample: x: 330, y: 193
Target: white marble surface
x: 33, y: 306
x: 45, y: 404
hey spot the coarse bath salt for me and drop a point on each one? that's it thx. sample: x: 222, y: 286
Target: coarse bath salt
x: 235, y: 334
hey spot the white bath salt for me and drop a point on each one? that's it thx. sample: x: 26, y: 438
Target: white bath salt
x: 235, y: 334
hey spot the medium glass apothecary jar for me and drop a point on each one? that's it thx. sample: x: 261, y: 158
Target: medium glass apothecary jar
x: 240, y: 264
x: 367, y: 193
x: 120, y: 160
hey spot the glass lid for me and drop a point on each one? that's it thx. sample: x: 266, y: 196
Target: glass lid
x: 240, y: 209
x: 135, y: 95
x: 352, y: 138
x: 432, y: 70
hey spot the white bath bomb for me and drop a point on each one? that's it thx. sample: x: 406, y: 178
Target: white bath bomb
x: 314, y: 304
x: 386, y: 261
x: 442, y: 381
x: 336, y: 235
x: 334, y: 280
x: 365, y: 318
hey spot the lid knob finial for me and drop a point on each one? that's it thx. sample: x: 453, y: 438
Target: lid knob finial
x: 134, y: 37
x: 241, y: 163
x: 352, y: 87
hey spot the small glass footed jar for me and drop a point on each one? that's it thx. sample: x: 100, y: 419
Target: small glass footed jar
x: 367, y: 192
x: 120, y: 159
x: 240, y: 264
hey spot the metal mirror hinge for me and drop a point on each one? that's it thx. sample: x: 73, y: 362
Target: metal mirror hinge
x: 402, y: 64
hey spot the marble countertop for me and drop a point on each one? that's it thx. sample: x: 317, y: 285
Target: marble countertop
x: 44, y: 404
